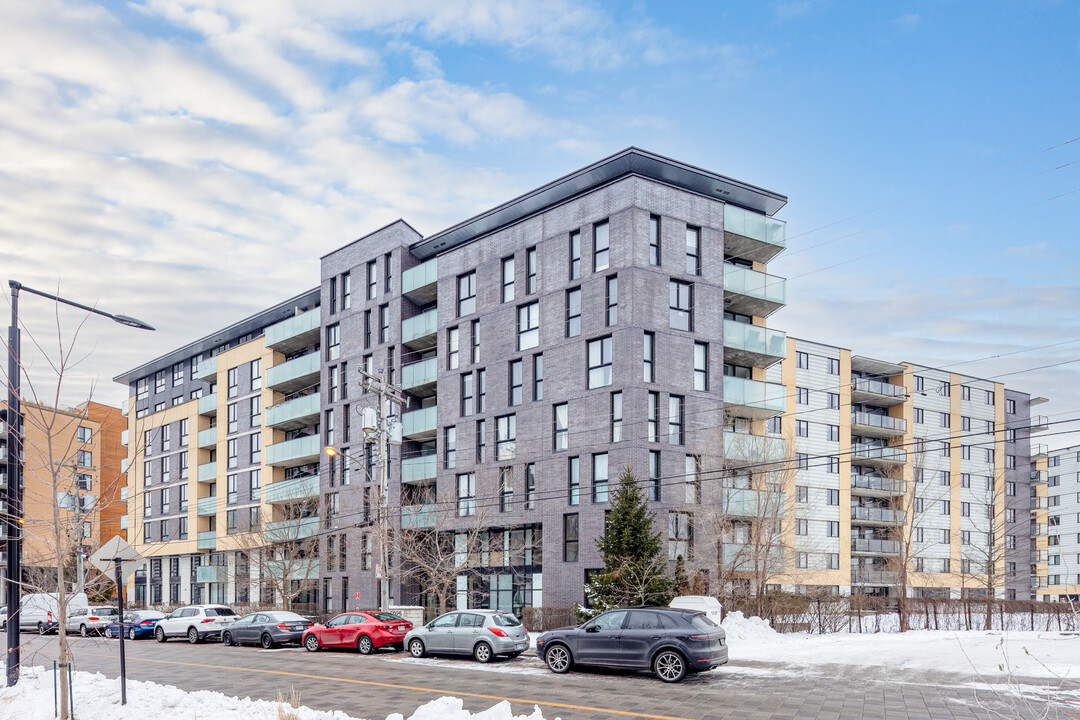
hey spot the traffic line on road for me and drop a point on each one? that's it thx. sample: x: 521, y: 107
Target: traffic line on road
x: 545, y: 703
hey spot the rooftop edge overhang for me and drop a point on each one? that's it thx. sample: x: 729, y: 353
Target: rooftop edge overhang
x: 631, y: 161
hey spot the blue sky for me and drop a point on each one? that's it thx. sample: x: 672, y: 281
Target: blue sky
x: 187, y: 161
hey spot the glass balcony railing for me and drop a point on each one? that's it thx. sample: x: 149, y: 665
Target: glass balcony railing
x: 738, y: 557
x: 290, y: 530
x: 210, y: 573
x: 297, y: 331
x: 123, y: 437
x: 769, y: 290
x: 420, y: 330
x: 207, y: 506
x: 755, y: 226
x: 207, y: 369
x: 208, y: 472
x: 292, y: 490
x: 420, y: 374
x: 421, y: 282
x: 123, y: 522
x: 207, y: 540
x: 760, y: 398
x: 208, y: 438
x: 298, y: 568
x: 419, y: 423
x: 415, y: 517
x: 880, y: 484
x: 753, y: 503
x: 743, y: 447
x: 297, y: 412
x: 298, y: 451
x: 208, y: 404
x: 755, y: 340
x: 419, y: 469
x: 877, y: 387
x: 876, y: 514
x: 859, y: 576
x: 294, y: 374
x: 867, y: 545
x: 871, y: 453
x: 881, y: 422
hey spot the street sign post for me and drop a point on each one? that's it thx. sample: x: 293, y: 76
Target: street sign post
x: 124, y: 559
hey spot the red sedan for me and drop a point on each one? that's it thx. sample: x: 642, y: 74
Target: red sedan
x: 364, y: 631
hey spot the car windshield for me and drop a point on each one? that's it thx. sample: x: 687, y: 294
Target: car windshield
x: 219, y: 612
x: 506, y: 620
x: 702, y: 622
x: 386, y: 617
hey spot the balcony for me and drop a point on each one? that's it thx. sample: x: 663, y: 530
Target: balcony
x: 123, y: 522
x: 208, y: 438
x: 865, y: 546
x: 208, y: 405
x: 753, y: 399
x: 876, y: 392
x: 1039, y: 477
x: 294, y: 375
x: 752, y: 345
x: 294, y: 414
x: 875, y: 456
x: 877, y: 426
x: 874, y: 486
x: 743, y: 449
x: 291, y: 530
x: 419, y: 332
x: 1038, y: 530
x: 752, y: 236
x: 419, y: 470
x: 1038, y: 503
x: 123, y: 437
x: 295, y: 333
x: 4, y: 431
x: 876, y: 515
x: 420, y: 378
x: 297, y: 568
x: 210, y: 573
x: 751, y: 292
x: 417, y: 517
x: 421, y: 283
x: 298, y: 451
x: 1038, y: 424
x: 208, y: 472
x: 859, y: 576
x: 124, y: 463
x: 207, y: 506
x: 419, y: 424
x: 753, y: 503
x: 207, y: 370
x: 736, y: 557
x: 293, y: 490
x: 207, y: 541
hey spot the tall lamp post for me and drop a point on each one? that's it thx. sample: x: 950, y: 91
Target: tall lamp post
x: 13, y: 493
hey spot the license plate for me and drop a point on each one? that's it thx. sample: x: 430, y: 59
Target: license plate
x: 401, y: 628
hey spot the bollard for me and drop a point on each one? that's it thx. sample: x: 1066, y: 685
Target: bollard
x: 55, y: 694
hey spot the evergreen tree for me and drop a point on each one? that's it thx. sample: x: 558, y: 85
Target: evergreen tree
x: 635, y: 568
x: 681, y: 582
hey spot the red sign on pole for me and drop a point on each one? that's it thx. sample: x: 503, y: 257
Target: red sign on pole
x: 356, y: 595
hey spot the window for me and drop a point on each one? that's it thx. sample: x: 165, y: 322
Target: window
x: 367, y: 329
x: 1010, y: 489
x: 599, y: 357
x: 675, y: 420
x: 946, y: 507
x: 467, y: 407
x: 649, y: 355
x: 481, y: 390
x: 693, y: 250
x: 328, y: 427
x: 449, y: 447
x: 166, y: 437
x: 232, y: 453
x: 832, y: 497
x: 232, y: 422
x: 965, y: 452
x: 256, y: 448
x: 530, y: 486
x: 832, y: 465
x: 920, y: 416
x: 833, y: 366
x: 505, y: 437
x: 600, y: 478
x: 965, y: 509
x: 372, y: 280
x: 508, y: 279
x: 681, y: 303
x: 680, y: 535
x: 802, y: 360
x: 570, y: 537
x: 164, y: 531
x: 573, y: 312
x: 346, y: 291
x: 965, y: 392
x: 965, y: 480
x: 654, y: 417
x: 234, y: 382
x: 654, y: 240
x: 701, y: 366
x: 832, y: 528
x: 514, y: 374
x: 466, y: 294
x: 332, y: 385
x: 918, y: 534
x: 1010, y: 515
x: 834, y: 401
x: 159, y: 382
x: 481, y: 441
x: 802, y: 461
x: 253, y: 517
x: 230, y: 484
x: 601, y: 245
x: 333, y: 342
x: 538, y: 377
x: 573, y: 481
x: 575, y: 255
x: 802, y: 526
x: 802, y: 396
x: 388, y: 277
x: 612, y: 301
x: 178, y: 375
x: 466, y: 492
x: 256, y: 374
x: 654, y: 475
x: 1010, y: 462
x: 802, y: 428
x: 832, y: 433
x: 773, y: 425
x: 692, y: 475
x: 183, y: 498
x: 616, y: 417
x: 946, y: 449
x: 946, y: 536
x: 561, y: 421
x: 528, y: 326
x: 183, y: 432
x: 1010, y: 436
x: 1010, y: 407
x: 802, y: 560
x: 452, y: 347
x: 506, y: 488
x: 946, y: 389
x: 530, y: 271
x: 802, y: 494
x: 384, y: 323
x: 946, y: 420
x: 945, y: 478
x: 182, y: 535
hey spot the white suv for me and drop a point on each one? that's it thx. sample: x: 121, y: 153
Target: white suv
x: 195, y: 622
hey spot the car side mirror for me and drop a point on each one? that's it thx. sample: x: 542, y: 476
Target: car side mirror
x: 592, y: 628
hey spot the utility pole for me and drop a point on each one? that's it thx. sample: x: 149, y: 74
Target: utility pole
x: 78, y: 507
x: 383, y: 434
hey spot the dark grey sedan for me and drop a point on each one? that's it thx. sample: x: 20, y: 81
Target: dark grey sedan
x: 266, y: 628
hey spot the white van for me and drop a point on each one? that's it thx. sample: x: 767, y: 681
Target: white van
x: 703, y: 603
x: 41, y: 611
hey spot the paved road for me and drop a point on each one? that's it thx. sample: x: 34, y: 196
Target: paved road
x: 378, y: 685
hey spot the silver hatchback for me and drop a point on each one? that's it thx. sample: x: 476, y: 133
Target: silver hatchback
x: 484, y: 634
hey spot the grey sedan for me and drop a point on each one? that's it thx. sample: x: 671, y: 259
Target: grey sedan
x: 266, y: 628
x: 484, y: 634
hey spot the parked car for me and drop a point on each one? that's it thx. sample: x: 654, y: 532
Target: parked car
x: 267, y: 629
x: 366, y: 631
x: 136, y: 624
x: 668, y: 641
x: 41, y: 611
x: 90, y: 620
x: 195, y: 622
x: 484, y: 634
x: 702, y: 603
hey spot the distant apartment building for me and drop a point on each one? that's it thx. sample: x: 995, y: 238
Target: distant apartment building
x: 1055, y: 524
x: 82, y: 446
x: 616, y: 317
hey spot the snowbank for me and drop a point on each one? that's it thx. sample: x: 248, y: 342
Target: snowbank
x: 741, y: 629
x: 98, y: 698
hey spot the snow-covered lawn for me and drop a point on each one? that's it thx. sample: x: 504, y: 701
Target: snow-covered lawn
x: 98, y: 698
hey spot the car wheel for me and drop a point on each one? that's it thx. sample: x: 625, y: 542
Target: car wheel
x: 226, y: 639
x: 108, y: 632
x: 131, y: 633
x: 41, y: 629
x: 311, y: 643
x: 159, y: 635
x: 669, y: 666
x: 364, y: 646
x: 192, y: 636
x: 266, y: 641
x: 558, y: 659
x: 482, y: 653
x: 83, y: 631
x: 416, y: 648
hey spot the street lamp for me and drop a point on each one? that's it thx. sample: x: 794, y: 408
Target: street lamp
x: 13, y: 494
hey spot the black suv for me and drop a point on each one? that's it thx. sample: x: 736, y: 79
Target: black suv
x: 667, y: 641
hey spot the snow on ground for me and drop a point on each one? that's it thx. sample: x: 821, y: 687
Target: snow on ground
x: 98, y: 698
x: 990, y: 654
